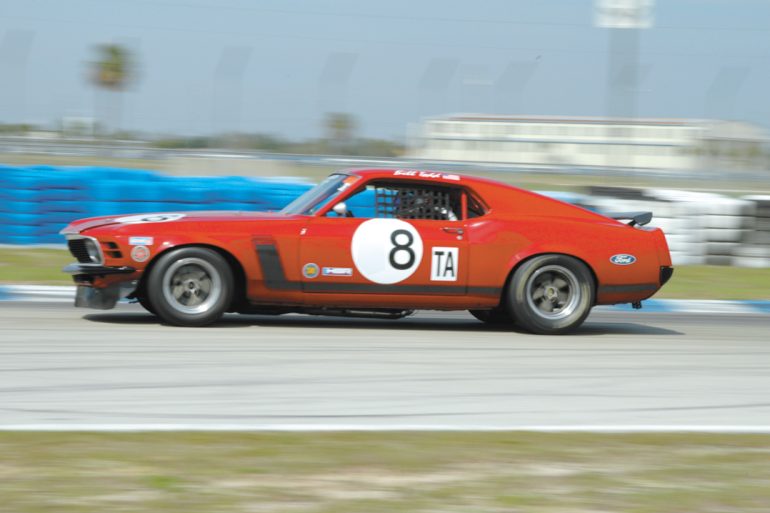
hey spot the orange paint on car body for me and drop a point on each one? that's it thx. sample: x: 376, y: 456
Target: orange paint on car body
x: 478, y: 252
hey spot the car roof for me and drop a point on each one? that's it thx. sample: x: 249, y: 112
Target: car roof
x: 496, y: 195
x: 422, y: 175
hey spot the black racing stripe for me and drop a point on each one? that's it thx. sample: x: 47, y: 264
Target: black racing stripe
x: 622, y: 289
x: 272, y: 269
x: 275, y: 278
x: 485, y: 291
x: 374, y: 288
x: 357, y: 288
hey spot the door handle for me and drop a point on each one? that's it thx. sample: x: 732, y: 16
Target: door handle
x: 452, y: 229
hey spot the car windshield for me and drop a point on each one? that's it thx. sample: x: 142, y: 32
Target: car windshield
x: 320, y: 195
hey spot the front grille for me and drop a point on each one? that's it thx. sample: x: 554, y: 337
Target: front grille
x: 78, y: 249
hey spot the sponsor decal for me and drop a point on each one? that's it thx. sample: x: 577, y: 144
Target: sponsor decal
x: 622, y: 259
x: 140, y: 241
x: 337, y: 271
x: 149, y: 218
x: 386, y: 251
x: 140, y: 253
x: 310, y: 271
x: 275, y: 279
x: 444, y: 264
x: 426, y: 174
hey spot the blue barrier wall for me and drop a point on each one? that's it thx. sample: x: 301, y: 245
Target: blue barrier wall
x: 36, y: 202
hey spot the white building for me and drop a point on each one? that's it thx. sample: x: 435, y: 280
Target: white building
x: 660, y: 144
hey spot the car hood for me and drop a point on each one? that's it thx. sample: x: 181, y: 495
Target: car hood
x: 82, y: 225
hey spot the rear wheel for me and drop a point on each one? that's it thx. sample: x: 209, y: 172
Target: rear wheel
x: 190, y: 286
x: 551, y: 294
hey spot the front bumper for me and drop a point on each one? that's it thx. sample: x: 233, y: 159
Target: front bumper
x: 96, y: 270
x: 100, y: 286
x: 665, y: 274
x: 102, y: 298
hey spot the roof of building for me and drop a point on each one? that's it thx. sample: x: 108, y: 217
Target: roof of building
x: 490, y: 118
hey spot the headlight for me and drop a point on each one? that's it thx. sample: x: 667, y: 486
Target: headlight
x: 93, y: 251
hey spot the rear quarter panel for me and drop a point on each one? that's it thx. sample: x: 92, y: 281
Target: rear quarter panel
x: 498, y: 245
x: 521, y: 224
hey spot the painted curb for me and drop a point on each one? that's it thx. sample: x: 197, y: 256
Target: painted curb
x: 37, y: 293
x: 61, y: 294
x: 699, y: 306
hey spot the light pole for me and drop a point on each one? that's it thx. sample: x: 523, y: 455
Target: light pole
x: 624, y: 19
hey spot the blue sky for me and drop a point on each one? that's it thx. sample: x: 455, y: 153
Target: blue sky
x: 299, y: 59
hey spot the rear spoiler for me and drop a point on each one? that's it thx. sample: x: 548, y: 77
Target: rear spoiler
x: 636, y: 218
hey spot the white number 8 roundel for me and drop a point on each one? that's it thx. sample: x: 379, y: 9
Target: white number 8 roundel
x: 386, y: 250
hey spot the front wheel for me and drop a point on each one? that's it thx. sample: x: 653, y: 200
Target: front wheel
x: 551, y: 294
x: 190, y: 286
x: 495, y: 316
x: 146, y: 304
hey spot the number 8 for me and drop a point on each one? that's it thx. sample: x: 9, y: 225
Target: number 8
x: 401, y: 247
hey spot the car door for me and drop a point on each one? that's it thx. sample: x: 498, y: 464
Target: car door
x: 389, y: 246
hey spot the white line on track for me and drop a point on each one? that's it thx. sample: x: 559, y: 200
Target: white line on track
x: 148, y: 428
x: 34, y: 299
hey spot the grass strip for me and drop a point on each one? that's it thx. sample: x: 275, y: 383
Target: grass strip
x: 383, y: 472
x: 34, y: 266
x: 717, y: 282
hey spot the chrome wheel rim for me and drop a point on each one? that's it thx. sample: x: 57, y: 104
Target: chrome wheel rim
x: 191, y: 286
x: 553, y: 292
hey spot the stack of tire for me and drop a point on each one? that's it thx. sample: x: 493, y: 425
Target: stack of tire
x: 726, y: 223
x: 676, y: 215
x: 704, y: 228
x: 63, y: 196
x: 754, y: 250
x: 32, y: 211
x: 700, y: 227
x: 114, y: 191
x: 679, y: 215
x: 37, y: 202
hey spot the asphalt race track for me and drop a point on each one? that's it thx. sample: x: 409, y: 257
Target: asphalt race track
x: 62, y: 367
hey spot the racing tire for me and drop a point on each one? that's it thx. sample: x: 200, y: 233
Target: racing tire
x: 551, y: 294
x: 146, y: 305
x: 190, y: 286
x: 494, y: 316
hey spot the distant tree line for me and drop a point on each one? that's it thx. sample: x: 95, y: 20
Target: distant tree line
x: 16, y: 128
x: 363, y: 147
x: 339, y: 139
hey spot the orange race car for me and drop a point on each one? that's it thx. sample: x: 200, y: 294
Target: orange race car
x: 378, y: 243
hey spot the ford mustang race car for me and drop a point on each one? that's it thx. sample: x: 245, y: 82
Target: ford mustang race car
x: 380, y: 243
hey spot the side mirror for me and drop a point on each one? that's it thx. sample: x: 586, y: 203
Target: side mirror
x: 340, y: 209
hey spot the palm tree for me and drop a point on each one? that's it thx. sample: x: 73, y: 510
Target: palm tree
x: 112, y: 71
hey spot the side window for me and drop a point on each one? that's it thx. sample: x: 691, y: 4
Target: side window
x: 475, y: 207
x: 406, y: 201
x: 360, y: 204
x: 419, y: 202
